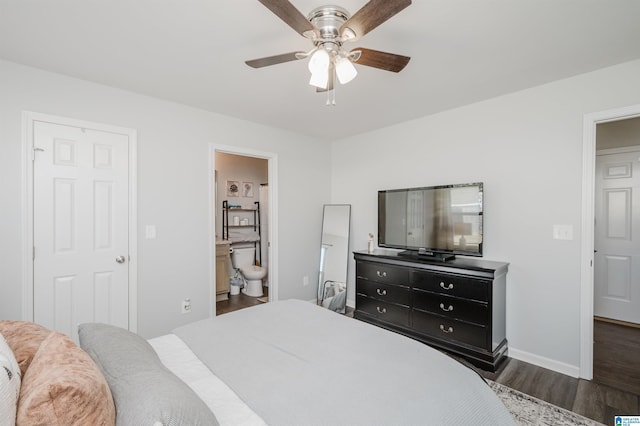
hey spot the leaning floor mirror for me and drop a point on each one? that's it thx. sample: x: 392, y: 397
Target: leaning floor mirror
x: 334, y: 256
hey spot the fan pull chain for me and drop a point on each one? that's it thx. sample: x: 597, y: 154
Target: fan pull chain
x: 331, y: 94
x: 331, y: 97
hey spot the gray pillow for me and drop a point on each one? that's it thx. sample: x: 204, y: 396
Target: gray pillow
x: 145, y: 392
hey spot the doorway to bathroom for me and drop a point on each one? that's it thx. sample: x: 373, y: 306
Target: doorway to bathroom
x: 243, y: 223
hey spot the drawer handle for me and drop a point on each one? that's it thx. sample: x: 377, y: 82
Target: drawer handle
x: 381, y: 310
x: 446, y: 309
x: 446, y: 287
x: 381, y: 292
x: 382, y: 274
x: 447, y: 329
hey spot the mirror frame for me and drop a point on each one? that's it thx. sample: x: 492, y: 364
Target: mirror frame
x: 334, y: 284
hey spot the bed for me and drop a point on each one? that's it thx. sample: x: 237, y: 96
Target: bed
x: 286, y: 363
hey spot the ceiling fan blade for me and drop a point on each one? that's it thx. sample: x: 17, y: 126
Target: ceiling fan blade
x: 291, y: 16
x: 370, y: 16
x: 273, y: 60
x: 382, y: 60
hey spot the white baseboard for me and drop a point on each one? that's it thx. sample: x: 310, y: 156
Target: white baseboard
x: 540, y: 361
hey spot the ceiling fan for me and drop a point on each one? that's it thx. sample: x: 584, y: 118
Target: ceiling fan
x: 328, y: 27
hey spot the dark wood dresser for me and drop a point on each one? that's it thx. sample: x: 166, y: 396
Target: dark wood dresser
x: 457, y: 306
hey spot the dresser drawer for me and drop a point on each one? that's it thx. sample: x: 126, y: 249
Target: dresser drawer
x: 449, y: 329
x: 384, y: 292
x: 452, y: 285
x: 382, y: 273
x: 451, y: 307
x: 383, y: 311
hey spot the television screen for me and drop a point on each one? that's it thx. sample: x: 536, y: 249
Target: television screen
x: 438, y: 219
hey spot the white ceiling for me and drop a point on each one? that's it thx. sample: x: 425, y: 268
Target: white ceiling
x: 193, y: 52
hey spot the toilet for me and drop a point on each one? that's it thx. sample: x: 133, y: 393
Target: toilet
x: 244, y: 259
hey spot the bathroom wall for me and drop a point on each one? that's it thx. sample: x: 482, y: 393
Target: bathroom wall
x: 242, y: 169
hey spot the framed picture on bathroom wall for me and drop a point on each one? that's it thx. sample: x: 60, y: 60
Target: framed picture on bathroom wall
x: 233, y: 188
x: 247, y: 189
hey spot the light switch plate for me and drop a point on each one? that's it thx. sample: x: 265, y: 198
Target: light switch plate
x: 150, y: 232
x: 563, y: 232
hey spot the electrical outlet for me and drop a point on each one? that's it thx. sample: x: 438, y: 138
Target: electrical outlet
x: 305, y: 280
x: 186, y: 306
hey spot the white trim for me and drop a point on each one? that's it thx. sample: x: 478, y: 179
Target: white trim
x: 272, y: 164
x: 212, y: 231
x: 586, y: 258
x: 133, y: 229
x: 27, y: 214
x: 551, y: 364
x: 28, y: 119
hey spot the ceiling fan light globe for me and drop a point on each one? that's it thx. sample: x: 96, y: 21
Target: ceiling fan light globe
x: 319, y: 79
x: 345, y: 70
x: 319, y: 61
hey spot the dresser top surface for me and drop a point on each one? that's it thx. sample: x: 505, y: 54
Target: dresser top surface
x: 394, y: 257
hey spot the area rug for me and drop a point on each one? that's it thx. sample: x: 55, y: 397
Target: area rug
x: 527, y: 410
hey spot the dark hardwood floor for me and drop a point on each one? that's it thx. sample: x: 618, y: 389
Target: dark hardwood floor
x: 612, y: 392
x: 240, y: 301
x: 616, y: 354
x: 587, y: 398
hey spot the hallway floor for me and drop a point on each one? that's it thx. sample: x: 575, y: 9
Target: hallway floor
x: 616, y: 355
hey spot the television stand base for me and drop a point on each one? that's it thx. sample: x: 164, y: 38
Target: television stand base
x: 423, y: 254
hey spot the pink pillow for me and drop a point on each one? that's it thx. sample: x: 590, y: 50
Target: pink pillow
x: 24, y: 339
x: 63, y: 386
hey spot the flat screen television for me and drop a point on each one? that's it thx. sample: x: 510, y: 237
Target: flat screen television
x: 439, y: 221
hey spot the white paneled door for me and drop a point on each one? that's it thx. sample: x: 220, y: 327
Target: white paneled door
x: 80, y: 227
x: 617, y: 236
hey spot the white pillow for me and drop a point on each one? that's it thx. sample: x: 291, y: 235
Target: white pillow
x: 9, y: 384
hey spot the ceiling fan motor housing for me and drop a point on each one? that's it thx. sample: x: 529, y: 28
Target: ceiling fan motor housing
x: 328, y: 20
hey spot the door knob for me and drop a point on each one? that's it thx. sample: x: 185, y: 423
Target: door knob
x: 120, y: 259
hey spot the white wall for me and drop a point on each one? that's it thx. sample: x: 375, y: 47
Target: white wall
x: 527, y: 149
x: 173, y: 190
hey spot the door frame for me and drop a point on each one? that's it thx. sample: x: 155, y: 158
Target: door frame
x: 272, y: 223
x: 28, y: 120
x: 590, y: 121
